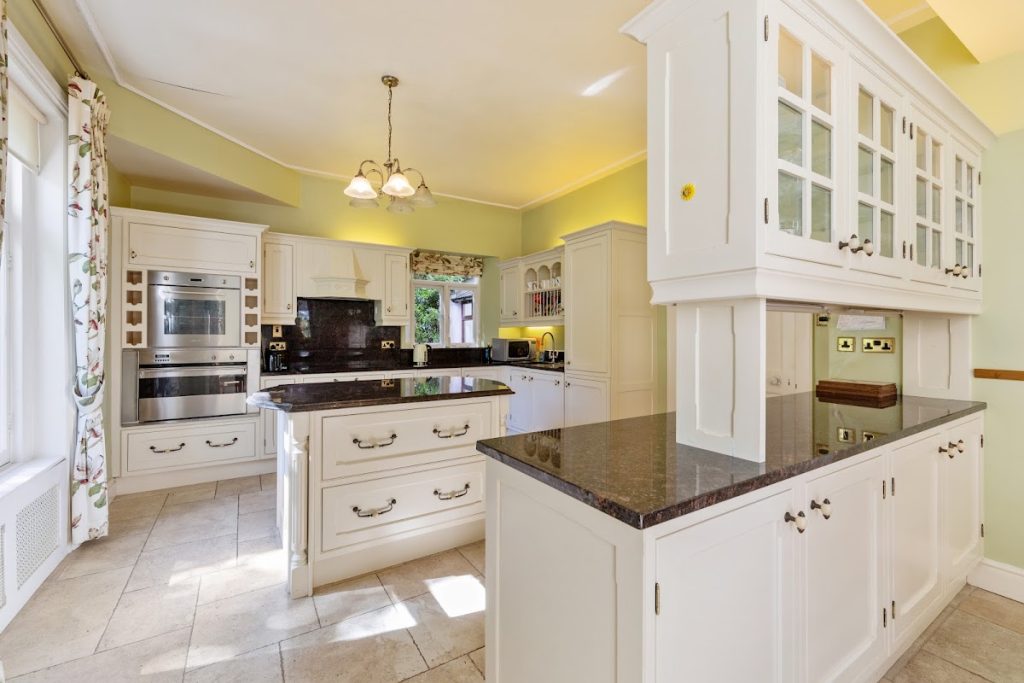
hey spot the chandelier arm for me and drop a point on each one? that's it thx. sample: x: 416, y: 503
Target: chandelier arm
x: 417, y: 172
x: 374, y: 168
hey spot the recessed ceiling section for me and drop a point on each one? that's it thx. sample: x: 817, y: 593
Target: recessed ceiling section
x: 901, y: 15
x: 990, y: 29
x: 498, y: 102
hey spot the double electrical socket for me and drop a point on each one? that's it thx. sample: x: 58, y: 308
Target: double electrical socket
x: 387, y: 344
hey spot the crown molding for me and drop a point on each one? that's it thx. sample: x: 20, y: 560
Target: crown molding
x: 108, y: 57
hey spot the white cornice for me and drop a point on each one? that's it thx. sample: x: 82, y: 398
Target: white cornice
x: 108, y: 57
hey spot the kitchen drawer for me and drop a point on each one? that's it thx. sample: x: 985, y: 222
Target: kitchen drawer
x: 190, y: 446
x: 370, y: 442
x: 354, y: 513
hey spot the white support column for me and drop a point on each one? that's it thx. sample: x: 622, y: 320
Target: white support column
x: 293, y: 440
x: 720, y: 373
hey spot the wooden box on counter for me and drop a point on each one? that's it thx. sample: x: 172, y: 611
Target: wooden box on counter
x: 861, y: 393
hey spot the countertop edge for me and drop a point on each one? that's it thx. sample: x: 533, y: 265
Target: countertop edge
x: 369, y: 403
x: 644, y: 520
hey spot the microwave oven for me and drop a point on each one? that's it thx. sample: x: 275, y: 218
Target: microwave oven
x: 511, y: 350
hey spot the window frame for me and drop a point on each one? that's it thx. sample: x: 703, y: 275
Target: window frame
x: 445, y: 288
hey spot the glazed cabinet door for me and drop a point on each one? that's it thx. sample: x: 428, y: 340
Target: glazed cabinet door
x: 510, y: 289
x: 966, y: 269
x: 738, y: 563
x: 804, y: 185
x: 278, y: 283
x: 929, y: 145
x: 916, y: 544
x: 878, y: 154
x: 961, y: 498
x: 588, y: 299
x: 843, y: 553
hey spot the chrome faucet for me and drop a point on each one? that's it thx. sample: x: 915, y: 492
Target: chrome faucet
x: 543, y: 349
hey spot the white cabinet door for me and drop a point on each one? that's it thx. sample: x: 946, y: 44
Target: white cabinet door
x: 929, y: 189
x: 396, y: 290
x: 915, y: 538
x: 520, y: 404
x: 961, y: 498
x: 185, y: 249
x: 588, y: 304
x: 278, y: 283
x: 727, y: 597
x: 268, y: 418
x: 548, y: 391
x: 966, y: 239
x: 510, y: 298
x: 586, y: 400
x: 844, y: 557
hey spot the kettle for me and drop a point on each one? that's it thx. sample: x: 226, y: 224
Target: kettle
x: 419, y: 355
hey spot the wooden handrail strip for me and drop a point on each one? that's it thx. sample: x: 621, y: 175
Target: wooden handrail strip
x: 984, y: 373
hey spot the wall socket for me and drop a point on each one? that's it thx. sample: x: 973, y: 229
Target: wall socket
x: 846, y: 344
x: 387, y: 344
x: 879, y: 344
x: 277, y: 331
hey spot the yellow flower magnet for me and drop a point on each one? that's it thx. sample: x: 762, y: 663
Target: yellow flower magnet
x: 687, y: 192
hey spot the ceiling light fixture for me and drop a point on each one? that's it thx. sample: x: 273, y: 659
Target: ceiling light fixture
x: 392, y: 179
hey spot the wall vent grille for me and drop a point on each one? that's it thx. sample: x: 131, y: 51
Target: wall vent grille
x: 38, y: 533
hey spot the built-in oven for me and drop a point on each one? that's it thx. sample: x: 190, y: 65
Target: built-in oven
x: 194, y: 310
x: 177, y: 384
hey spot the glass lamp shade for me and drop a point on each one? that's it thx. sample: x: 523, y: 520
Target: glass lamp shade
x: 400, y: 205
x: 398, y: 186
x: 360, y: 188
x: 423, y: 197
x: 363, y: 203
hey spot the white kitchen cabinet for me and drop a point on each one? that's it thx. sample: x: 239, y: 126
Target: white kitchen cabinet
x: 394, y: 308
x: 279, y: 299
x: 588, y: 304
x: 966, y: 238
x: 520, y: 404
x: 548, y: 394
x: 756, y: 185
x: 510, y: 287
x: 915, y: 531
x: 844, y: 630
x: 961, y: 499
x: 741, y: 563
x: 177, y: 244
x: 586, y: 400
x: 177, y: 446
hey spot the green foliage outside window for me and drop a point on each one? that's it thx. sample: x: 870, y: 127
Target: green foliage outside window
x: 428, y: 315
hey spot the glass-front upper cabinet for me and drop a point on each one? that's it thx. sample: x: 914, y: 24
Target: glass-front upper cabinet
x: 802, y: 180
x: 965, y: 272
x: 929, y: 231
x: 877, y: 159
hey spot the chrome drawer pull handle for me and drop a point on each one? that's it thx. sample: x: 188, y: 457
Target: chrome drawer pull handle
x: 452, y: 434
x: 377, y: 512
x: 452, y: 494
x: 376, y: 444
x: 222, y: 445
x: 168, y: 450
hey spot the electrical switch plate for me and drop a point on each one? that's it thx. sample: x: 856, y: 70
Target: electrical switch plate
x: 878, y: 344
x: 387, y: 344
x: 866, y: 436
x: 822, y: 319
x: 277, y: 331
x: 844, y: 435
x: 846, y: 344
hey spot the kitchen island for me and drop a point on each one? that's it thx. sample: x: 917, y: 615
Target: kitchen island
x: 375, y: 473
x: 615, y: 554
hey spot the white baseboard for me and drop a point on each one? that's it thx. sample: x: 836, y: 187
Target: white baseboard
x: 999, y: 578
x: 185, y: 477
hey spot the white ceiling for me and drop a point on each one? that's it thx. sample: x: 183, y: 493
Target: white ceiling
x: 490, y: 108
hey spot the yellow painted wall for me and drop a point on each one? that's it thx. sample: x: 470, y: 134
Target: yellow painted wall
x: 621, y: 196
x: 120, y: 192
x: 998, y: 337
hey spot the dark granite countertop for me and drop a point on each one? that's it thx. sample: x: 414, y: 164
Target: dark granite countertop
x: 393, y: 367
x: 635, y: 471
x: 296, y: 398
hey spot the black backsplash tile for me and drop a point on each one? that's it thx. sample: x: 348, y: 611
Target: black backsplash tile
x: 339, y: 335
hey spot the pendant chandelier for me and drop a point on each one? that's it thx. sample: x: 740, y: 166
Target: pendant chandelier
x: 392, y: 179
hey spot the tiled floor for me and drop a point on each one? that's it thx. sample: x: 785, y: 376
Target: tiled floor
x: 189, y: 587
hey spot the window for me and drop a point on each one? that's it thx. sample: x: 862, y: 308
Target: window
x: 444, y: 310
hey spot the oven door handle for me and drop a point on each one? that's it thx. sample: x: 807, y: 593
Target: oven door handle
x: 204, y: 371
x: 203, y: 293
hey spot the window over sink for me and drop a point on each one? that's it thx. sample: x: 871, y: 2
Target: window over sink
x: 445, y: 310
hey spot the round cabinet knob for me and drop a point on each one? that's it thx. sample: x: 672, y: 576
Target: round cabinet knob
x: 134, y: 254
x: 288, y: 307
x: 959, y: 446
x: 853, y: 245
x: 955, y: 271
x: 231, y: 357
x: 213, y: 357
x: 868, y: 248
x: 252, y: 264
x: 799, y: 521
x: 825, y: 507
x: 950, y: 452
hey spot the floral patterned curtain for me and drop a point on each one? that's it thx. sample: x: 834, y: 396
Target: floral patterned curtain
x: 3, y: 120
x: 88, y: 219
x: 437, y: 263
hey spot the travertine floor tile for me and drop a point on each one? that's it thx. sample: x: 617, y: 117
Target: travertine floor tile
x: 371, y: 648
x: 259, y: 666
x: 192, y: 493
x: 149, y: 612
x: 268, y: 482
x: 156, y: 660
x: 444, y: 635
x: 138, y: 504
x: 341, y: 601
x: 193, y: 522
x: 261, y: 563
x: 112, y: 552
x: 474, y: 553
x: 478, y: 657
x: 64, y: 620
x: 235, y: 487
x: 995, y: 608
x: 257, y: 525
x: 459, y: 670
x: 916, y: 646
x: 927, y: 668
x: 412, y: 578
x: 254, y: 502
x: 979, y: 646
x: 234, y: 626
x: 176, y: 563
x: 126, y: 525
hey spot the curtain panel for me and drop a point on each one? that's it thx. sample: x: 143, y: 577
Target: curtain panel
x: 3, y: 120
x: 438, y: 263
x: 88, y: 219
